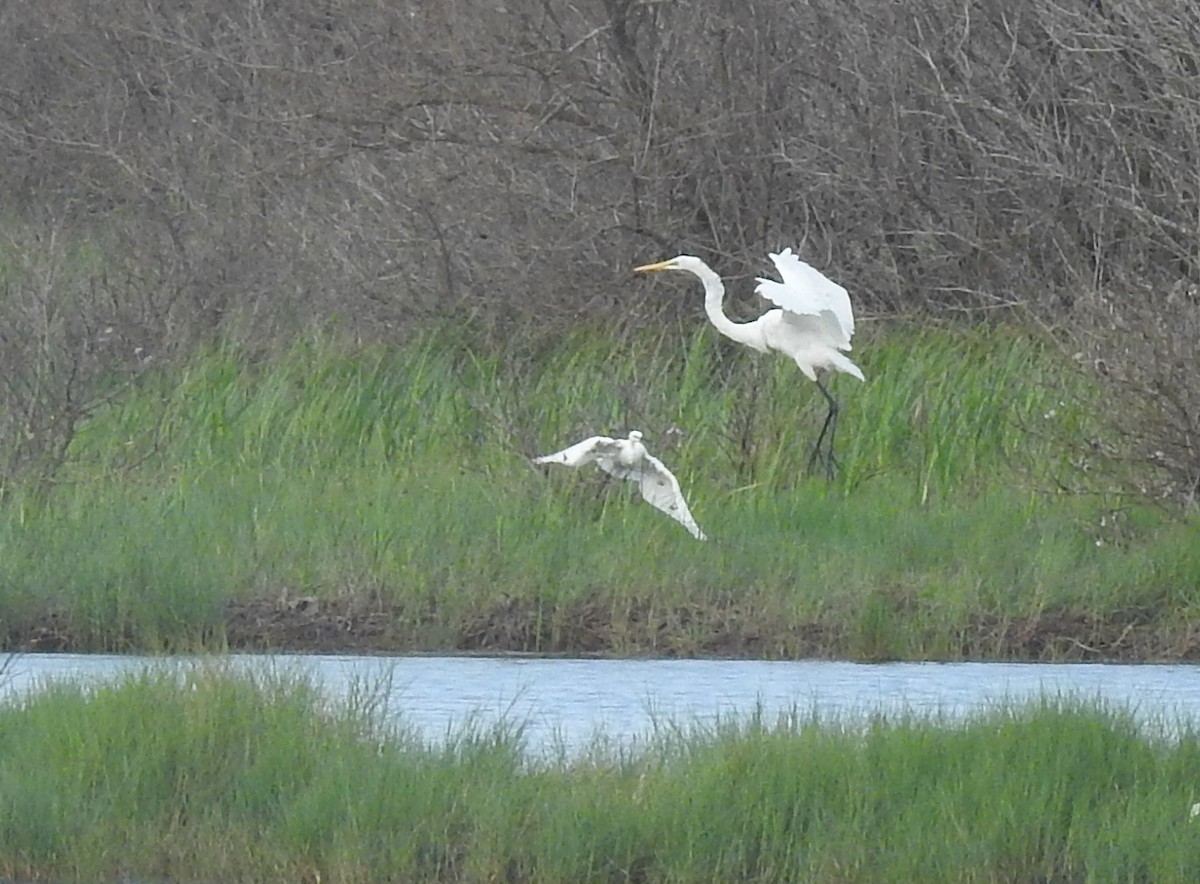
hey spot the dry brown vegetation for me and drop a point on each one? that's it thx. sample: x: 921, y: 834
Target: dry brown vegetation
x: 176, y: 172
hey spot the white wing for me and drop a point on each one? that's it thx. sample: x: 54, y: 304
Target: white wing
x: 806, y: 291
x: 658, y: 485
x: 660, y: 489
x: 593, y: 449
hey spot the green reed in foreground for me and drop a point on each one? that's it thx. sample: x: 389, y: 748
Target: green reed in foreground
x: 399, y: 481
x: 204, y: 775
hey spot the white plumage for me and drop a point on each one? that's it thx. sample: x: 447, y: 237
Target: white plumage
x: 629, y: 459
x: 812, y: 324
x: 807, y: 293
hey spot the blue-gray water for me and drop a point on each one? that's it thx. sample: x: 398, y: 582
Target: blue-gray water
x: 566, y: 702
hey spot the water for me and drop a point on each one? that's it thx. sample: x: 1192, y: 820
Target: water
x: 564, y: 703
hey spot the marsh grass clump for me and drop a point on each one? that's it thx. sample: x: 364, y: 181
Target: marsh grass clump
x: 393, y: 488
x: 942, y: 404
x: 204, y: 773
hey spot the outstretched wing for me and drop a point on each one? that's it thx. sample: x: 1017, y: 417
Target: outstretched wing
x: 659, y: 486
x: 597, y: 448
x: 807, y: 292
x: 660, y: 489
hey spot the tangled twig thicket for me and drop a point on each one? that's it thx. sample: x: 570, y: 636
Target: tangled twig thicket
x: 175, y: 173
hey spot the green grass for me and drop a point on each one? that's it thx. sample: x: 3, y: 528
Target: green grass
x: 201, y: 775
x: 398, y: 481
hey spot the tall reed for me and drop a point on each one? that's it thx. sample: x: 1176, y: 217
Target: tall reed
x: 206, y: 774
x: 400, y: 479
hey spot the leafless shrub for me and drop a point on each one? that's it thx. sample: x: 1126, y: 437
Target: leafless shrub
x: 251, y: 168
x: 1143, y: 345
x: 60, y: 336
x: 402, y: 160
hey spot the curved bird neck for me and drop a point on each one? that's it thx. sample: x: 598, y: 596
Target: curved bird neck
x: 714, y: 297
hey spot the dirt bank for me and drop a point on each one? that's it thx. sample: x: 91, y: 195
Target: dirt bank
x: 310, y: 625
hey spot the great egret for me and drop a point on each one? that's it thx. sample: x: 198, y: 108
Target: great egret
x: 629, y: 459
x: 812, y: 324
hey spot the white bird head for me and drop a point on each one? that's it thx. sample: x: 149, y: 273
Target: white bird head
x: 635, y: 435
x: 689, y: 263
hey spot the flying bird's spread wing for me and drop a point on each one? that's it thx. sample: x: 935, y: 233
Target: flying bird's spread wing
x: 658, y: 485
x: 660, y: 489
x: 807, y: 292
x: 597, y: 448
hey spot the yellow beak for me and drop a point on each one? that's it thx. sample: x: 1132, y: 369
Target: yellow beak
x: 661, y: 265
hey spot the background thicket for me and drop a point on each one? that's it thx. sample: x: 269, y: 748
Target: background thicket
x: 175, y: 173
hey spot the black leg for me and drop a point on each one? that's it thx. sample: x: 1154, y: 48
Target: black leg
x: 828, y: 430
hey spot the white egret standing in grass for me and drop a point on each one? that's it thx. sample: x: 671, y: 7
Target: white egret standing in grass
x: 629, y: 459
x: 812, y: 324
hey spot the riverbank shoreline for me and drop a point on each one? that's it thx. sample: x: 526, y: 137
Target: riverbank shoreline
x: 309, y: 625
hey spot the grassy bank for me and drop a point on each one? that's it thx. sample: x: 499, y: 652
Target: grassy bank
x: 205, y: 776
x: 365, y: 497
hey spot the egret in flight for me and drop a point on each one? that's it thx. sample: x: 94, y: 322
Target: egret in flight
x: 629, y: 459
x: 812, y: 323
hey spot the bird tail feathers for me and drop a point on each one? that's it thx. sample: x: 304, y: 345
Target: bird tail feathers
x: 845, y: 366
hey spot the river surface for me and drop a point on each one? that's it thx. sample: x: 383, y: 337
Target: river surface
x: 565, y: 704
